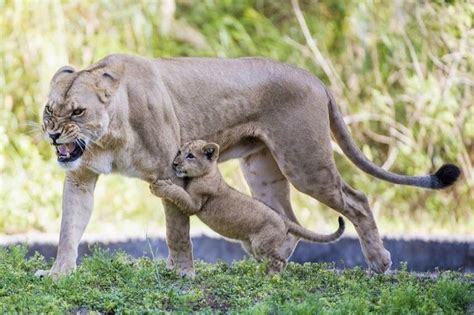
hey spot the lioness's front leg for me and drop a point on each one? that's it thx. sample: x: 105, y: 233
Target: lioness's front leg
x: 78, y: 202
x: 180, y: 255
x: 177, y: 195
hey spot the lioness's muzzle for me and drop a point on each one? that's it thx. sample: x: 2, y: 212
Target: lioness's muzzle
x: 69, y: 152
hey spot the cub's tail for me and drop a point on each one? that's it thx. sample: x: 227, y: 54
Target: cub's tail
x: 308, y: 235
x: 444, y: 177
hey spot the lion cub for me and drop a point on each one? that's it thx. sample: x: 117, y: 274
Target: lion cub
x: 230, y: 213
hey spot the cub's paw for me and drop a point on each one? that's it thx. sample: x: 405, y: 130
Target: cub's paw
x: 162, y: 182
x: 159, y: 186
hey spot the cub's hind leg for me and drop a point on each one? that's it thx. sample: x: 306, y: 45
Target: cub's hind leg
x: 247, y: 247
x: 267, y: 247
x: 277, y: 263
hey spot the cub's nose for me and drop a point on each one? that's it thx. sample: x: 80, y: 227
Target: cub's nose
x: 175, y: 165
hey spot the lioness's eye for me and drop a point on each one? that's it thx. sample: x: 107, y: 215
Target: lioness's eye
x: 78, y: 111
x: 190, y: 156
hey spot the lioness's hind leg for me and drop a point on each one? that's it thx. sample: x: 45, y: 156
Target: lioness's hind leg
x: 336, y: 194
x: 269, y: 185
x: 307, y: 161
x: 357, y: 209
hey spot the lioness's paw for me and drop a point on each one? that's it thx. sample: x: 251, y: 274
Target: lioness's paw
x: 185, y: 269
x: 190, y: 274
x: 49, y: 274
x: 60, y: 268
x: 380, y: 263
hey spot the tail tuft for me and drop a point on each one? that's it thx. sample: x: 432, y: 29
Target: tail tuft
x: 445, y: 176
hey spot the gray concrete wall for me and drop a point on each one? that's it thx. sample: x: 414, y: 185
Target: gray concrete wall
x: 421, y: 255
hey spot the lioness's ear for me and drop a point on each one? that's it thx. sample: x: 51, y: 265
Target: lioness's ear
x: 61, y: 72
x: 109, y: 81
x: 211, y: 151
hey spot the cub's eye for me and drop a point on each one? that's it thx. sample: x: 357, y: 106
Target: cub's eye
x: 179, y: 153
x: 190, y: 156
x: 48, y: 109
x: 78, y: 111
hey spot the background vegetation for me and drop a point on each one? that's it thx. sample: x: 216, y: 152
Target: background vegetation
x: 402, y: 72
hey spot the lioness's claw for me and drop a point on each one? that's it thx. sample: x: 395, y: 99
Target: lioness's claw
x: 187, y: 274
x: 42, y: 273
x: 50, y: 274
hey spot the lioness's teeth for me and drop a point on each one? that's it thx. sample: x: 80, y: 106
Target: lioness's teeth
x: 70, y: 147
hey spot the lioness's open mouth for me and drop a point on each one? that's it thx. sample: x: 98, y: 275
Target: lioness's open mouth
x: 69, y: 152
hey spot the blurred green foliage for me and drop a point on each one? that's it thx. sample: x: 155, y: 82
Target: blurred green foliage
x: 402, y: 73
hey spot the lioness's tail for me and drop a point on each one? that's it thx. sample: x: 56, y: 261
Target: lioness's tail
x: 308, y: 235
x: 444, y: 177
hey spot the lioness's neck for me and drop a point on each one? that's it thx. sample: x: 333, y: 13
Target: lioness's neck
x: 133, y: 146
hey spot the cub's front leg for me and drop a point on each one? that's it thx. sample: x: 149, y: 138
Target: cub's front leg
x: 177, y: 195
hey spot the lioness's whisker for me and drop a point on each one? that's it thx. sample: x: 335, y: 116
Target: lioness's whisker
x: 90, y: 139
x: 32, y: 131
x: 33, y: 124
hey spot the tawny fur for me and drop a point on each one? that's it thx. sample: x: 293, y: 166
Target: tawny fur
x: 262, y: 231
x: 276, y: 118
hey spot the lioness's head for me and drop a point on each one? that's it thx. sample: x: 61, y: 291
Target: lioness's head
x: 76, y: 113
x: 196, y: 158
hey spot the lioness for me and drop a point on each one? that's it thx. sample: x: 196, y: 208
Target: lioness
x: 129, y: 115
x: 263, y: 232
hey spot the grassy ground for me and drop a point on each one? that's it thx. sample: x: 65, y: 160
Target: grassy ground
x: 117, y: 284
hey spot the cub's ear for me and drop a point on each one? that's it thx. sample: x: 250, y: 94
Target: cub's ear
x: 211, y: 151
x: 108, y: 81
x: 61, y: 72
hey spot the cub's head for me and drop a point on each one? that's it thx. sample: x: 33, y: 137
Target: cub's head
x: 76, y: 114
x: 196, y: 158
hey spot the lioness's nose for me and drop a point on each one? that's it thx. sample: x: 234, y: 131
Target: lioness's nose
x: 54, y: 136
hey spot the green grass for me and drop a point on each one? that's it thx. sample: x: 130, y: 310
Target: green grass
x: 108, y: 283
